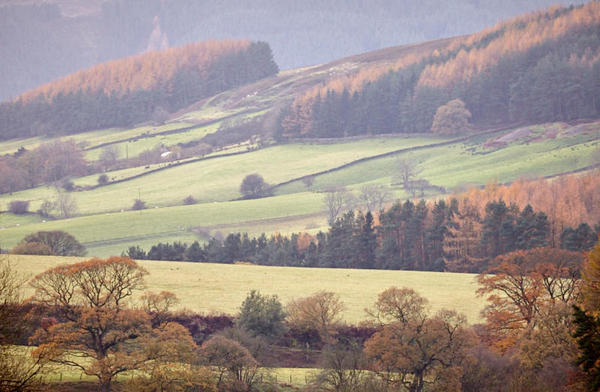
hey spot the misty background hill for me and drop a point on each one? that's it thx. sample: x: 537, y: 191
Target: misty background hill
x: 43, y: 40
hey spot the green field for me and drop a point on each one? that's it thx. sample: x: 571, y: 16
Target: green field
x: 106, y: 227
x: 218, y: 179
x: 221, y: 288
x: 134, y: 147
x: 466, y: 163
x: 92, y: 139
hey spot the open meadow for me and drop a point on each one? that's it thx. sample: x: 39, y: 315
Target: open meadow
x: 221, y: 288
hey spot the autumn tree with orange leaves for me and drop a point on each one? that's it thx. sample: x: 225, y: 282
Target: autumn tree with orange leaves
x: 321, y: 311
x: 522, y: 285
x: 100, y: 335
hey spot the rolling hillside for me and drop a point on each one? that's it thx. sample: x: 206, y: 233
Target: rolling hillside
x: 106, y: 227
x: 241, y: 128
x: 34, y: 32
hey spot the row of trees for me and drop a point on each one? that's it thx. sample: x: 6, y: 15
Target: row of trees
x: 138, y: 88
x: 440, y: 237
x: 533, y: 69
x: 529, y: 340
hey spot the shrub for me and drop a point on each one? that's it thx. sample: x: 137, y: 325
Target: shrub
x: 67, y: 185
x: 190, y: 200
x: 139, y: 204
x: 60, y: 243
x: 173, y: 377
x: 262, y: 315
x: 102, y: 179
x: 254, y: 186
x: 18, y: 207
x: 46, y: 208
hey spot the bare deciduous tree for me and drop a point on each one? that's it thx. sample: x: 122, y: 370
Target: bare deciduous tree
x: 233, y: 362
x: 337, y: 201
x: 65, y: 204
x: 109, y: 155
x: 375, y: 196
x: 308, y: 181
x: 407, y: 171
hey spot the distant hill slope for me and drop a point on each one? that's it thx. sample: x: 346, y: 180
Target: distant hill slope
x: 41, y: 40
x: 134, y: 89
x: 535, y: 68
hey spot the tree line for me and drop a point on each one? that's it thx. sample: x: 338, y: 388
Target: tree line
x: 538, y: 68
x: 138, y: 88
x: 442, y: 236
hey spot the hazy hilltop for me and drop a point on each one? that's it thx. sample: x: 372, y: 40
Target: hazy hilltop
x: 43, y: 40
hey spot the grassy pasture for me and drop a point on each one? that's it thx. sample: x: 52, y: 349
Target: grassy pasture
x: 467, y: 163
x: 91, y: 138
x: 130, y: 227
x: 221, y: 288
x: 135, y: 147
x: 219, y: 179
x: 11, y: 146
x: 106, y: 230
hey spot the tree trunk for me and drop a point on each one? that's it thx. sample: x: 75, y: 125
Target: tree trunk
x: 105, y: 386
x: 417, y: 383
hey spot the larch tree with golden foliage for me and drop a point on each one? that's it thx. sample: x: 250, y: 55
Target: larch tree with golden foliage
x: 100, y: 335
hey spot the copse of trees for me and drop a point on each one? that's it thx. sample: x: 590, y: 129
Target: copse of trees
x: 123, y: 92
x: 536, y: 68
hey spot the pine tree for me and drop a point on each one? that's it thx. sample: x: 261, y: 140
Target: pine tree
x: 366, y: 241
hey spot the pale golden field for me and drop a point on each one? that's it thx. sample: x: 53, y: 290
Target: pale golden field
x: 221, y: 288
